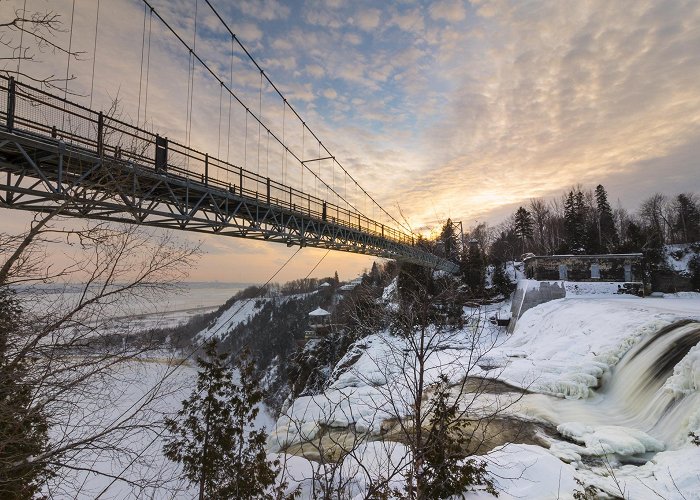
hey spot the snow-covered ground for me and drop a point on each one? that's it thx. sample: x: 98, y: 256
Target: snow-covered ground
x: 610, y: 409
x: 159, y: 383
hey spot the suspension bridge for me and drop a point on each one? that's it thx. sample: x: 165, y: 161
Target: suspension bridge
x: 59, y: 155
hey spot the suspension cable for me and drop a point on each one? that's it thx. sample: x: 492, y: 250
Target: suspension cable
x: 148, y: 69
x: 232, y: 94
x: 284, y: 154
x: 143, y: 46
x: 94, y: 53
x: 260, y: 115
x: 21, y: 37
x: 169, y: 373
x: 218, y: 133
x: 230, y: 105
x: 194, y: 49
x: 216, y: 13
x: 70, y: 50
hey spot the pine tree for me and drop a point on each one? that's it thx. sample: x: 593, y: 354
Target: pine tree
x: 607, y: 233
x: 212, y: 435
x: 502, y: 284
x: 23, y: 429
x: 686, y: 218
x: 694, y: 268
x: 473, y: 268
x: 445, y: 471
x: 450, y: 241
x: 574, y: 221
x: 524, y: 226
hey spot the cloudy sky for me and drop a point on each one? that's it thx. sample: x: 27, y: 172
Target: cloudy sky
x: 442, y: 109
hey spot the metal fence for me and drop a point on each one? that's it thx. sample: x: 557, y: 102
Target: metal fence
x: 26, y: 109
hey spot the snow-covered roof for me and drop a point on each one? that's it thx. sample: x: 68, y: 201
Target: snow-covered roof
x: 348, y: 287
x: 325, y: 284
x: 319, y: 312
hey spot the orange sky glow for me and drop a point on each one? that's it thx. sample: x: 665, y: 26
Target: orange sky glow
x: 438, y: 108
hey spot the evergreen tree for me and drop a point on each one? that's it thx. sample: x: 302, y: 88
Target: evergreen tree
x: 686, y: 221
x: 212, y: 435
x: 607, y: 233
x: 23, y: 429
x: 473, y: 268
x: 524, y: 226
x: 445, y: 471
x: 694, y: 268
x: 502, y: 285
x: 574, y: 221
x: 450, y: 241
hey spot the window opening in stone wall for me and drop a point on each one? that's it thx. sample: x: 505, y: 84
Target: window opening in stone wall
x: 563, y: 272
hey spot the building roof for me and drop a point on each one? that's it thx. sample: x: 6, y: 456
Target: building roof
x: 585, y: 256
x: 319, y: 312
x: 325, y: 284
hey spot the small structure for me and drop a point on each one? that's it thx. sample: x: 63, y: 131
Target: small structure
x: 319, y: 323
x: 624, y: 268
x: 347, y: 288
x: 324, y: 285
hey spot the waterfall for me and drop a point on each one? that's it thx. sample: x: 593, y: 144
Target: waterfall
x: 648, y: 402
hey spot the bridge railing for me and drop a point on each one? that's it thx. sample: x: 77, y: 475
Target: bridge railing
x: 26, y: 109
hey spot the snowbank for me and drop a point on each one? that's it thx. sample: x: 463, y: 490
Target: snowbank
x: 379, y: 383
x: 239, y: 312
x: 564, y: 347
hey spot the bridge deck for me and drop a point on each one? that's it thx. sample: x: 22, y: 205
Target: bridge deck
x: 57, y: 153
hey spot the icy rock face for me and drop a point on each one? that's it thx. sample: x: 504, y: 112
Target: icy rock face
x: 647, y: 403
x: 606, y: 439
x: 686, y: 375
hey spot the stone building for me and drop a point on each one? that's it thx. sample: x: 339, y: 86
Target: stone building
x: 610, y: 267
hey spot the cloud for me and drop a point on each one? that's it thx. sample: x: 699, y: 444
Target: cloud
x: 564, y: 97
x: 411, y: 21
x: 266, y: 10
x: 315, y: 70
x: 247, y: 32
x: 448, y: 10
x: 352, y: 38
x: 368, y: 19
x: 447, y: 108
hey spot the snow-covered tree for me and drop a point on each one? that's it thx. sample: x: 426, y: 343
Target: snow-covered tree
x: 213, y: 437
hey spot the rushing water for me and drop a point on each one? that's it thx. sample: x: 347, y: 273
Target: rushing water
x: 649, y: 402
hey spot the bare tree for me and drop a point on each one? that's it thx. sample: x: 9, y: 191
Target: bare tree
x: 419, y: 390
x: 541, y: 215
x: 66, y: 328
x: 25, y: 36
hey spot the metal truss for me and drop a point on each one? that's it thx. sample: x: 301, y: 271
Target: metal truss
x: 41, y: 174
